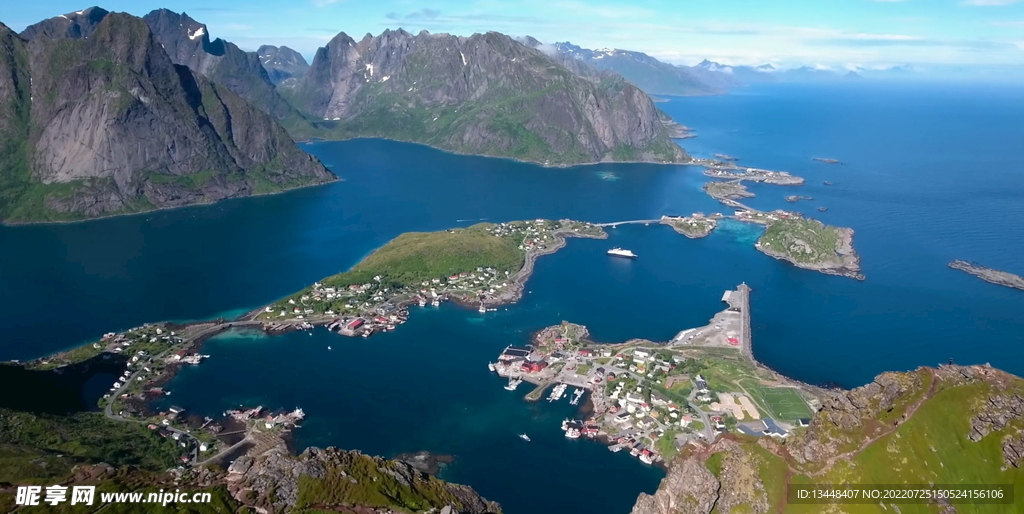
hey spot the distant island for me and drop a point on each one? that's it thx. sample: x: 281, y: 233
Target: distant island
x: 1002, y: 278
x: 828, y: 161
x: 789, y: 236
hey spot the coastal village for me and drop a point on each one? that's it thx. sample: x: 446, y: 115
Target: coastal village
x: 653, y: 399
x: 349, y: 306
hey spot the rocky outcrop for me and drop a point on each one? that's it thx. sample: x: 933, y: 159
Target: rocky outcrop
x: 994, y: 276
x: 485, y: 94
x: 688, y: 488
x: 691, y: 488
x: 111, y: 126
x: 74, y: 25
x: 282, y: 63
x: 330, y: 479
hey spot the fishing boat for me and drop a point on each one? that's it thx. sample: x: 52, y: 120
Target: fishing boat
x: 524, y: 437
x: 577, y: 394
x: 490, y: 366
x: 513, y: 383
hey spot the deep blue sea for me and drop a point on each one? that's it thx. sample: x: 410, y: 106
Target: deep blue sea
x: 929, y: 174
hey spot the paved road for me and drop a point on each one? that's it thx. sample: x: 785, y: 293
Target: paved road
x: 629, y: 222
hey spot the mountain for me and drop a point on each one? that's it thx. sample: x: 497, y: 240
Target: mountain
x: 950, y: 425
x: 744, y: 74
x: 484, y: 94
x: 97, y: 120
x: 651, y: 75
x: 188, y: 43
x: 282, y: 63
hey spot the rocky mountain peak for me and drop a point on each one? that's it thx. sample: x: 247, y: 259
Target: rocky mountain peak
x: 485, y: 89
x: 74, y: 25
x: 282, y: 63
x: 113, y: 125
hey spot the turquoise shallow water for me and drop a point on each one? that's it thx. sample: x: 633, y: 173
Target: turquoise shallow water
x: 929, y: 175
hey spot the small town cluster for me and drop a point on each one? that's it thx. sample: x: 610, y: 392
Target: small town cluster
x: 652, y: 399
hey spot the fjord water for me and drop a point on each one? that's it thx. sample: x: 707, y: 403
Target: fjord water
x: 930, y: 175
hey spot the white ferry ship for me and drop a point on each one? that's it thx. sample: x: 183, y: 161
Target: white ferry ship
x: 619, y: 252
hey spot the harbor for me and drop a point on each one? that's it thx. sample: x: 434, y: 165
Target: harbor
x: 653, y: 399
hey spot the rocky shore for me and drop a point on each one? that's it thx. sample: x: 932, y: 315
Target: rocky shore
x: 994, y: 276
x: 268, y: 478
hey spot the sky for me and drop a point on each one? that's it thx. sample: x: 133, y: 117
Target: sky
x: 928, y: 34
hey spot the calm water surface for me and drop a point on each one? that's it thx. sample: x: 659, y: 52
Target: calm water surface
x: 929, y: 175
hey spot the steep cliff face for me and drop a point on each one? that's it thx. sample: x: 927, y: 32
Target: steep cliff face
x: 282, y: 63
x: 344, y: 481
x: 485, y: 94
x: 951, y: 425
x: 188, y: 43
x: 112, y: 126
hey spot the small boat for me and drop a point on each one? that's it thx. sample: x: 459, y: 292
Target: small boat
x: 490, y: 366
x: 328, y: 347
x: 524, y: 437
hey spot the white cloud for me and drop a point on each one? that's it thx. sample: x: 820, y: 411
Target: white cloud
x: 990, y: 2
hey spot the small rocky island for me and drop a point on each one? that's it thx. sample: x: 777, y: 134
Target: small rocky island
x: 810, y: 244
x: 1002, y: 278
x: 731, y: 190
x: 693, y: 227
x: 828, y: 161
x: 797, y: 198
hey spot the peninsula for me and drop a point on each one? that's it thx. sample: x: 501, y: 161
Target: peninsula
x: 656, y: 399
x: 481, y: 266
x: 994, y: 276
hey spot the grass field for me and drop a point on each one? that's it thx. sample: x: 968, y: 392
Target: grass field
x: 782, y: 403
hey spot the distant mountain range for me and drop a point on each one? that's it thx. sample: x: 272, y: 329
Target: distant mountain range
x: 706, y: 78
x: 97, y: 119
x: 651, y: 75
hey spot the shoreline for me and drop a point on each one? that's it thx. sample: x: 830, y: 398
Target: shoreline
x: 846, y: 249
x: 690, y: 160
x: 990, y: 275
x: 5, y: 223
